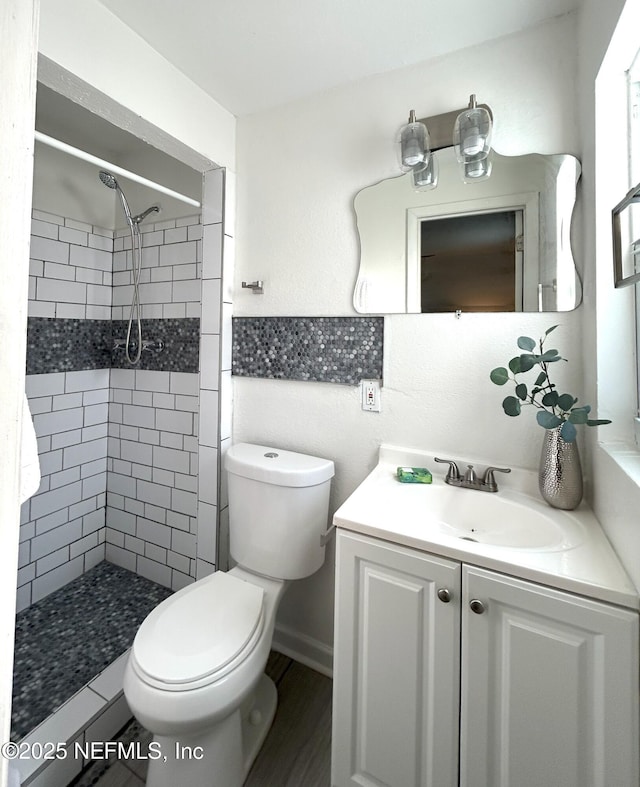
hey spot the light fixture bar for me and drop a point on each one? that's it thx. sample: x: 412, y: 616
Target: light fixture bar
x: 440, y: 126
x: 113, y: 168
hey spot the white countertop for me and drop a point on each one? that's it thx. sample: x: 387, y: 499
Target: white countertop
x: 384, y: 508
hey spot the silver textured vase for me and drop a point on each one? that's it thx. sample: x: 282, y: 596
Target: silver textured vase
x: 560, y: 473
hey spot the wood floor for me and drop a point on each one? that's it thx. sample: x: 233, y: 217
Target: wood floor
x: 297, y: 750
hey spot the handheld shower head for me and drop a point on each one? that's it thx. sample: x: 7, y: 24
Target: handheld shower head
x: 110, y: 182
x: 108, y: 179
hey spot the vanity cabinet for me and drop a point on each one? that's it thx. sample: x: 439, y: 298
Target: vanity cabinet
x: 448, y: 674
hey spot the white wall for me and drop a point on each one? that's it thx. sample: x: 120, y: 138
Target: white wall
x: 299, y: 168
x: 83, y: 37
x: 607, y: 42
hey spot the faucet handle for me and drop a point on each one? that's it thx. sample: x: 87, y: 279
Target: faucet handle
x: 470, y: 476
x: 488, y: 479
x: 453, y: 473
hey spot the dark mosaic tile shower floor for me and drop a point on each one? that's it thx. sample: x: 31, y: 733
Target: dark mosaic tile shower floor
x: 65, y: 640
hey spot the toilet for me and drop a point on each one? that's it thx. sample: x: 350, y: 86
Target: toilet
x: 195, y: 675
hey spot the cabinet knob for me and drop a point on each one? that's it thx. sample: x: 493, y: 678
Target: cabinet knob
x: 477, y: 606
x: 444, y: 594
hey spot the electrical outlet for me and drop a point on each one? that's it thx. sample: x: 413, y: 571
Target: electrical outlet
x: 370, y: 395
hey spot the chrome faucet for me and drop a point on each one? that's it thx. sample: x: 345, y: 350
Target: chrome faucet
x: 470, y: 479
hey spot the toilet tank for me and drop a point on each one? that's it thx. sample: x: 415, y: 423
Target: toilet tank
x: 278, y: 509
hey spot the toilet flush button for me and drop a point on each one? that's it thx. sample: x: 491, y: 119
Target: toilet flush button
x: 271, y: 455
x: 255, y: 717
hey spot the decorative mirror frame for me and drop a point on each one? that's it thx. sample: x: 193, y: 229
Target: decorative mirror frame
x: 390, y: 251
x: 619, y: 279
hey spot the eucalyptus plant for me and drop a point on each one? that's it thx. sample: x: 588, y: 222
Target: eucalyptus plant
x: 554, y: 409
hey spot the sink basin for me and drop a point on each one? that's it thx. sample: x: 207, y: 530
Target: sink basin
x: 502, y: 519
x: 514, y: 518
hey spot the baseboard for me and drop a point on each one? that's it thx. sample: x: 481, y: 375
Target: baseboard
x: 307, y: 650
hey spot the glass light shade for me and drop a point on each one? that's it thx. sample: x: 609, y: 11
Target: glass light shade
x: 414, y: 145
x: 475, y: 168
x: 427, y: 178
x: 472, y: 133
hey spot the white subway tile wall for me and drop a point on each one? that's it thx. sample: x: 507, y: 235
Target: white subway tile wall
x: 170, y: 273
x: 70, y: 270
x: 215, y: 358
x: 62, y: 531
x: 119, y: 448
x: 152, y: 501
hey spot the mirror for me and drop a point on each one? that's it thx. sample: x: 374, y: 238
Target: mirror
x: 497, y: 245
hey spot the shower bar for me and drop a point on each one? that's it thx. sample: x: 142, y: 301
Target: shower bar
x: 148, y: 345
x: 116, y: 170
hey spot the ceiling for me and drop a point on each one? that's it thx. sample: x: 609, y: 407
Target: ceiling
x: 251, y: 55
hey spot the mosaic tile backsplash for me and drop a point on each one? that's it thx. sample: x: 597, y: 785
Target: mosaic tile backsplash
x: 70, y: 345
x: 319, y: 349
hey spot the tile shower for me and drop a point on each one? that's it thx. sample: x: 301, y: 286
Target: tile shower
x: 110, y: 429
x: 120, y: 446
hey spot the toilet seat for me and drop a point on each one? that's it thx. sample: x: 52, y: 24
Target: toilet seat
x: 199, y: 634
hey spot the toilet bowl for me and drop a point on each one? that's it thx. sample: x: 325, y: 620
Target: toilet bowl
x: 195, y: 675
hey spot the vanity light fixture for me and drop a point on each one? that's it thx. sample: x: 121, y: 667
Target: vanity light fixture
x: 414, y: 145
x: 427, y: 178
x: 472, y: 133
x: 471, y: 139
x: 476, y: 168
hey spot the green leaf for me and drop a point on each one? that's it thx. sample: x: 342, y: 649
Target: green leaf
x: 550, y: 399
x: 542, y: 377
x: 547, y: 420
x: 598, y: 422
x: 526, y: 343
x: 578, y: 416
x: 514, y: 365
x: 549, y: 356
x: 521, y: 391
x: 585, y: 407
x: 527, y: 362
x: 499, y: 376
x: 568, y: 432
x: 511, y: 406
x: 548, y: 331
x: 566, y: 402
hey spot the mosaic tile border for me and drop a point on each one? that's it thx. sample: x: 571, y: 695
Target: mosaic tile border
x: 319, y: 349
x: 181, y: 339
x: 73, y: 345
x: 67, y: 345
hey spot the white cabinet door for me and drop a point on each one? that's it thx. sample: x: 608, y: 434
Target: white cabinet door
x: 396, y: 667
x: 549, y: 687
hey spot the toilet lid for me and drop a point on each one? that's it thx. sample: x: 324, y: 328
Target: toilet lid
x: 199, y: 629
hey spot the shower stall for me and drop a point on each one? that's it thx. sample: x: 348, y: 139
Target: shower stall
x: 126, y: 374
